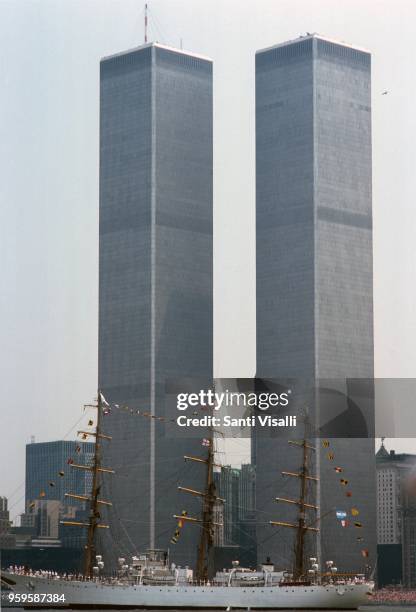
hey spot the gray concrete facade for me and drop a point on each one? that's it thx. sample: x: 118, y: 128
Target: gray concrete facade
x: 314, y: 274
x: 155, y: 304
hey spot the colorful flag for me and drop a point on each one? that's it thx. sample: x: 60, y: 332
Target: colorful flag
x: 103, y: 400
x: 341, y: 514
x: 177, y: 533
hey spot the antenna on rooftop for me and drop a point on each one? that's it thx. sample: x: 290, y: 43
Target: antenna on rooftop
x: 145, y: 23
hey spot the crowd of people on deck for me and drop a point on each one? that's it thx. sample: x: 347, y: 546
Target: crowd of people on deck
x: 22, y: 570
x: 394, y: 595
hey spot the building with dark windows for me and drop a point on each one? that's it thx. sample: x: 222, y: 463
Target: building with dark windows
x: 237, y: 487
x: 49, y: 474
x: 237, y: 534
x: 315, y: 287
x: 227, y: 483
x: 155, y: 288
x: 247, y: 491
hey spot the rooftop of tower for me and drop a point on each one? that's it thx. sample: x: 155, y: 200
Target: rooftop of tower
x: 309, y: 35
x: 160, y: 46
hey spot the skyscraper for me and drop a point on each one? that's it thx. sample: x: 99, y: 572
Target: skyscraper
x: 237, y: 514
x: 49, y: 475
x: 396, y: 518
x: 314, y: 276
x: 227, y: 482
x: 155, y: 295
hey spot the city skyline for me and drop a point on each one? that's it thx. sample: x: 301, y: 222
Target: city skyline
x: 57, y: 356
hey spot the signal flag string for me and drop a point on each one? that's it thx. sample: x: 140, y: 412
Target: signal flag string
x: 354, y: 511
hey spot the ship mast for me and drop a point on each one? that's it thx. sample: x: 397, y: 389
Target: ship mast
x: 206, y: 540
x: 302, y: 526
x: 94, y: 512
x: 94, y: 502
x: 207, y: 523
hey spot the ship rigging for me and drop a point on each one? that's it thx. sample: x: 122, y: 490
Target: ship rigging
x: 303, y: 524
x: 94, y: 501
x: 209, y: 499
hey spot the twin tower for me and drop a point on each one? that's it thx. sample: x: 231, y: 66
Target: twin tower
x: 314, y: 267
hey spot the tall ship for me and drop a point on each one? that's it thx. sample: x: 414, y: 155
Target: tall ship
x: 150, y: 581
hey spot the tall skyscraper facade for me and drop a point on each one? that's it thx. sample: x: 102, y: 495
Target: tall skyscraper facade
x: 396, y: 517
x: 227, y: 483
x: 49, y: 475
x: 314, y: 278
x: 237, y: 514
x: 155, y: 293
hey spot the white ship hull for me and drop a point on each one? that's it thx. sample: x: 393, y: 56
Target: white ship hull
x: 92, y: 594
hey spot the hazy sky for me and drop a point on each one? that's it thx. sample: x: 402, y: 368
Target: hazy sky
x: 49, y: 70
